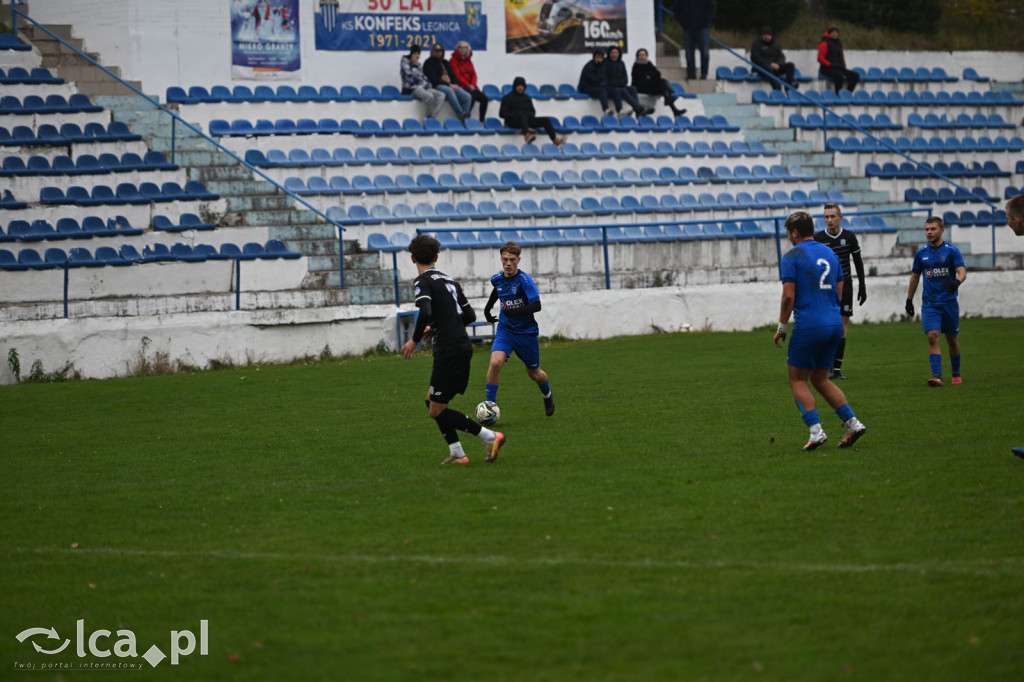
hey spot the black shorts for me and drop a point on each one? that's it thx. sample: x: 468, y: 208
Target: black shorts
x: 846, y: 305
x: 450, y: 375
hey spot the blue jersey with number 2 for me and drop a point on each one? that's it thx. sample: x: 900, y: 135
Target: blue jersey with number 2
x: 815, y: 269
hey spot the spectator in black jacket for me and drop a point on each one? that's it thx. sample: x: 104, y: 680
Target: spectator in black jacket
x: 647, y: 80
x: 695, y: 16
x: 441, y: 75
x: 619, y: 80
x: 594, y: 82
x: 767, y: 54
x: 518, y: 113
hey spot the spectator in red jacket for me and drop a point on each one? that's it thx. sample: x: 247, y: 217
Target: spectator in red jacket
x: 833, y: 61
x: 462, y: 64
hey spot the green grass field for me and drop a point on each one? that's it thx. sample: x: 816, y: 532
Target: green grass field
x: 663, y: 525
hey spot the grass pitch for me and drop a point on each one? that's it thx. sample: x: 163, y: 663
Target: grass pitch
x: 663, y: 525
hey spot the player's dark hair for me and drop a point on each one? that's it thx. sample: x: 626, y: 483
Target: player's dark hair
x: 511, y: 247
x: 424, y: 249
x: 1015, y: 206
x: 802, y: 223
x: 834, y: 205
x: 935, y: 220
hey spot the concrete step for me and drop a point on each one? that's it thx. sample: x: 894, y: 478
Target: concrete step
x: 365, y: 261
x: 752, y: 123
x: 227, y: 170
x: 716, y: 99
x: 260, y: 202
x: 848, y: 185
x: 793, y: 147
x: 302, y: 231
x: 311, y: 247
x: 770, y: 134
x: 292, y: 218
x: 238, y: 187
x: 729, y: 111
x: 375, y: 295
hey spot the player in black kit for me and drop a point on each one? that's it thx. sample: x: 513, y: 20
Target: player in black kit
x: 444, y: 313
x: 844, y: 244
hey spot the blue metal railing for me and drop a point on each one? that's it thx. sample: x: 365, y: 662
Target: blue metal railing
x: 175, y: 119
x: 777, y: 219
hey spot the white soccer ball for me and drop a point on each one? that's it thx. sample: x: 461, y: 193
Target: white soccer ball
x: 487, y: 413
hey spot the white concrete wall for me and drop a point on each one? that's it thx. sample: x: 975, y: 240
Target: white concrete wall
x: 188, y: 42
x: 112, y: 346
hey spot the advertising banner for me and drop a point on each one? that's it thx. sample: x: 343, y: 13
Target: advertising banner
x: 265, y: 39
x: 397, y: 25
x: 575, y: 27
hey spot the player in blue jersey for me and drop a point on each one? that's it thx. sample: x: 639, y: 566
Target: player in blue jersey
x: 943, y: 268
x: 811, y: 292
x: 517, y: 330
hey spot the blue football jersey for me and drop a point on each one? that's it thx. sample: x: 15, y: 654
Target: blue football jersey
x: 815, y: 269
x: 937, y: 266
x: 515, y: 292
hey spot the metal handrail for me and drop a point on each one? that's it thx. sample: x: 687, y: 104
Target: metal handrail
x: 777, y: 219
x: 175, y: 118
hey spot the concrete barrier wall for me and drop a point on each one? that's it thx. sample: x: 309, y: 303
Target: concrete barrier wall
x: 103, y: 347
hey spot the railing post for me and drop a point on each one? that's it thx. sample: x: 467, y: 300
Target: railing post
x: 65, y: 291
x: 607, y: 267
x: 778, y: 245
x: 341, y: 261
x: 238, y: 284
x: 394, y: 270
x: 174, y: 144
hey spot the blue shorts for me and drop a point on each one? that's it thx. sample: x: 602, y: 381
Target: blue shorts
x: 943, y: 316
x: 526, y: 346
x: 814, y: 347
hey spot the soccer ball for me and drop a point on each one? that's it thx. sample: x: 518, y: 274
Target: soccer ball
x: 487, y: 413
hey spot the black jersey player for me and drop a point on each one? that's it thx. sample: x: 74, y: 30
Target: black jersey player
x: 845, y: 245
x: 444, y: 313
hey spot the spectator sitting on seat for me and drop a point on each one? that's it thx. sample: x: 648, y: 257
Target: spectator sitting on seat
x: 462, y: 64
x: 618, y: 80
x: 416, y: 84
x: 767, y: 54
x: 833, y: 61
x: 594, y: 82
x: 647, y: 79
x: 442, y: 76
x: 518, y: 113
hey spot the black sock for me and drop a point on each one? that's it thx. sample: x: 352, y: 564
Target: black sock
x: 837, y: 364
x: 455, y: 420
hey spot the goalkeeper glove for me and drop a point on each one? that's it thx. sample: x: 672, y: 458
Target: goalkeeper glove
x: 489, y: 316
x: 953, y: 285
x: 910, y: 307
x: 862, y: 294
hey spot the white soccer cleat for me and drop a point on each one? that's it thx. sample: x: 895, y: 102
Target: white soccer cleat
x: 854, y: 430
x: 816, y: 440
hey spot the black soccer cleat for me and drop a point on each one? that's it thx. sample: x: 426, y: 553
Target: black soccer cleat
x: 836, y: 374
x: 549, y: 405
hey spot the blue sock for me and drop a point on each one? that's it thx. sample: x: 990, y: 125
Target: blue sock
x: 954, y: 360
x: 810, y: 417
x: 545, y: 389
x: 935, y: 360
x: 844, y: 412
x: 491, y: 392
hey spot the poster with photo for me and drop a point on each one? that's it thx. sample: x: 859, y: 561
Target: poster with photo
x: 265, y: 39
x: 574, y: 27
x: 397, y: 25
